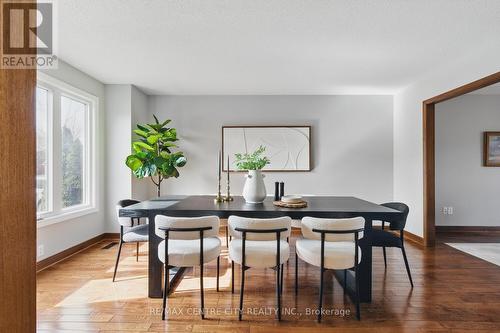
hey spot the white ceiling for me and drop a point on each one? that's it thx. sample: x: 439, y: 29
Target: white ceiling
x: 271, y: 46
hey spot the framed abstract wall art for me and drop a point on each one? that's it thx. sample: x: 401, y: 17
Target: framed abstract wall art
x: 287, y: 147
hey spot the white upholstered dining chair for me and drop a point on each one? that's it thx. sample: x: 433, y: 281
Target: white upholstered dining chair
x: 331, y: 244
x: 131, y: 231
x: 187, y: 242
x: 259, y: 243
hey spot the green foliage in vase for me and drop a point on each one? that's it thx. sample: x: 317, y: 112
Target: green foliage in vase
x: 253, y: 161
x: 153, y: 153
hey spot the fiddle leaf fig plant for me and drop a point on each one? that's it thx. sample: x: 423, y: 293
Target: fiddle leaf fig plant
x: 153, y: 153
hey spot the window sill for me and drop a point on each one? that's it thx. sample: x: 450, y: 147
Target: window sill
x: 65, y: 216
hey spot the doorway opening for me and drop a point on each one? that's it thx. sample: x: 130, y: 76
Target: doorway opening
x: 429, y: 137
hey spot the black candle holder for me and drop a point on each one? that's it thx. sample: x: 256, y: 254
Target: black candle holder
x: 277, y: 191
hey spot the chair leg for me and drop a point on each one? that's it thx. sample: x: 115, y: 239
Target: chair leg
x: 227, y: 236
x: 358, y: 312
x: 242, y: 289
x: 202, y: 294
x: 333, y: 287
x: 218, y: 270
x: 320, y: 305
x: 166, y: 288
x: 407, y: 266
x: 296, y: 273
x: 383, y: 248
x: 288, y: 241
x: 137, y: 252
x: 344, y: 285
x: 385, y: 257
x: 232, y: 277
x: 117, y: 259
x: 281, y: 282
x: 278, y: 289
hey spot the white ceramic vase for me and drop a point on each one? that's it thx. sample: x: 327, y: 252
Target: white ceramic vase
x: 254, y: 190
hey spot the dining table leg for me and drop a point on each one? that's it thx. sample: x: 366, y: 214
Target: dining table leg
x: 155, y: 269
x: 364, y: 269
x: 155, y: 266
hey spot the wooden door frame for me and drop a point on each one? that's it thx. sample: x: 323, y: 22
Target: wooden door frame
x: 17, y: 201
x: 429, y: 128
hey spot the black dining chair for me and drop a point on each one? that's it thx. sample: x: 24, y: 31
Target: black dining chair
x: 391, y: 238
x: 129, y: 233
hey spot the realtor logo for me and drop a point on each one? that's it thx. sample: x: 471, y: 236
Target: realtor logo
x: 27, y: 35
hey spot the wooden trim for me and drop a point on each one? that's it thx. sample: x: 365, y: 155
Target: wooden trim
x: 111, y: 235
x: 486, y: 149
x: 269, y: 126
x: 429, y: 149
x: 465, y: 89
x: 429, y: 174
x: 443, y: 229
x: 17, y: 200
x: 63, y: 255
x: 417, y: 240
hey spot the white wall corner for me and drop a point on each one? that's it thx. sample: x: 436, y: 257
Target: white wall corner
x: 408, y: 131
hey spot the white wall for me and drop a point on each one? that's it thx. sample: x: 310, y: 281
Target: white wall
x: 126, y: 105
x: 408, y: 133
x: 60, y: 236
x: 142, y: 189
x: 118, y: 136
x: 462, y: 181
x: 352, y: 141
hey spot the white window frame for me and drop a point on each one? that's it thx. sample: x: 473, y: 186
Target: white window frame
x: 57, y: 89
x: 49, y: 150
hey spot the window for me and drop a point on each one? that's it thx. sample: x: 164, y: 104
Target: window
x: 64, y: 151
x: 73, y: 140
x: 42, y: 150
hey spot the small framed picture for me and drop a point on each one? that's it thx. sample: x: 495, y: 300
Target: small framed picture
x: 492, y: 149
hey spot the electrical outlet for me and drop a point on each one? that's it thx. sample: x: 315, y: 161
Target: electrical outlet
x: 445, y: 210
x: 40, y: 251
x: 450, y: 210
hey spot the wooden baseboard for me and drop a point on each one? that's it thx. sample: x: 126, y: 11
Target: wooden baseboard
x: 442, y: 229
x: 47, y: 262
x: 111, y: 235
x: 417, y: 240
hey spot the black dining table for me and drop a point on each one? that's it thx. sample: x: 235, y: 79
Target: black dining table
x: 317, y: 206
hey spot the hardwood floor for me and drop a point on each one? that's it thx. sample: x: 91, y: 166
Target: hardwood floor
x: 454, y: 292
